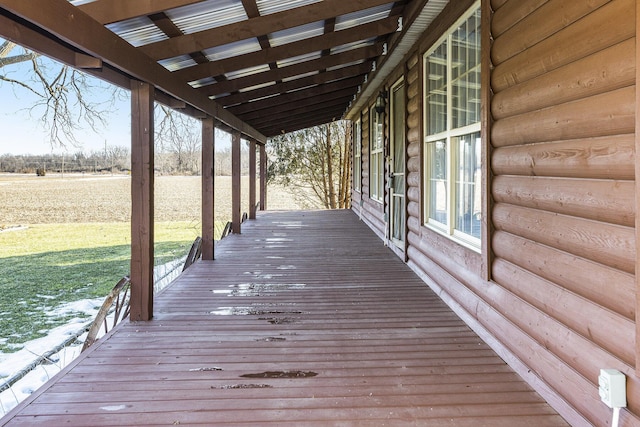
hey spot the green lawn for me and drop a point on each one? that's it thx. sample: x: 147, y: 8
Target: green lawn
x: 47, y: 265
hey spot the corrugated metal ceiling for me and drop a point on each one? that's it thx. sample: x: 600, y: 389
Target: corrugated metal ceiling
x: 307, y: 57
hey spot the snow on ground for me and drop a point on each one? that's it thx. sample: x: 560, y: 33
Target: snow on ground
x: 13, y: 363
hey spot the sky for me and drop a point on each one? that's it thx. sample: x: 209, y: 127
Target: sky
x: 22, y: 132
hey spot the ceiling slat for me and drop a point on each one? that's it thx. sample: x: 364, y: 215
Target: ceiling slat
x: 109, y: 11
x: 254, y: 27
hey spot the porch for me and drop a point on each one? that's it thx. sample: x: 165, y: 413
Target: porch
x: 304, y: 319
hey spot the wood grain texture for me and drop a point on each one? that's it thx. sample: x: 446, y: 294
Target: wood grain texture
x: 600, y: 200
x: 509, y: 12
x: 609, y: 157
x: 611, y: 245
x: 539, y: 24
x: 604, y: 71
x: 142, y: 206
x: 587, y: 36
x: 605, y: 328
x: 607, y: 114
x: 611, y: 288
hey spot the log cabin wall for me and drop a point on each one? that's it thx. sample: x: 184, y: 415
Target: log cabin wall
x: 563, y: 186
x: 559, y: 239
x: 371, y: 211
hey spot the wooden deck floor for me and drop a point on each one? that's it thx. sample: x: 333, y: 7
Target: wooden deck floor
x: 304, y: 319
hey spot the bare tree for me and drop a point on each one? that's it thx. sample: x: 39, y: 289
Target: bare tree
x: 62, y: 105
x: 179, y: 135
x: 316, y: 159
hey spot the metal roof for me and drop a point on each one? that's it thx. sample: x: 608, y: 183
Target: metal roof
x: 276, y: 65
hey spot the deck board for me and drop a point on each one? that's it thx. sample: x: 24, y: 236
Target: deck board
x: 304, y: 319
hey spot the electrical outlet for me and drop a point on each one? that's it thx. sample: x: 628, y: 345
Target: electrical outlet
x: 613, y: 388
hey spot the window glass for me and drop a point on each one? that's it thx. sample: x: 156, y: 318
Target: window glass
x: 452, y: 132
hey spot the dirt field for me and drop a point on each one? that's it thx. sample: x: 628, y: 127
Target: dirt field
x: 27, y: 199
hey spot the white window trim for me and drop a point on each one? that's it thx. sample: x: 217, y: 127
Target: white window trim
x: 357, y: 156
x: 379, y: 196
x: 447, y: 230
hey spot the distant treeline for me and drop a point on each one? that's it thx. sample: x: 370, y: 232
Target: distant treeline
x: 116, y: 160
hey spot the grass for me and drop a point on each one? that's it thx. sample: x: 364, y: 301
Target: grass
x: 88, y: 259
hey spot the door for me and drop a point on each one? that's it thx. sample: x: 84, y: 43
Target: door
x: 397, y: 166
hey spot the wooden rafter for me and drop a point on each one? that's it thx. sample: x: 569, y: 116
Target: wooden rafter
x: 347, y: 77
x: 313, y: 44
x: 282, y: 73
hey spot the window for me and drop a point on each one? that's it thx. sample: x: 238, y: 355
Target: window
x: 452, y: 132
x: 376, y: 161
x: 357, y: 156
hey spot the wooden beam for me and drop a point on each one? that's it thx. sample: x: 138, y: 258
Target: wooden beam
x: 33, y: 40
x: 236, y: 214
x: 141, y: 201
x: 305, y: 82
x: 302, y: 123
x: 208, y: 186
x: 310, y: 103
x: 263, y: 177
x: 486, y: 123
x: 252, y: 179
x: 72, y: 26
x: 85, y: 62
x: 293, y: 112
x: 255, y: 27
x: 109, y: 11
x: 283, y: 73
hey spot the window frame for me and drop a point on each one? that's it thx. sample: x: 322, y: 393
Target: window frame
x: 376, y: 156
x: 448, y: 136
x: 357, y: 156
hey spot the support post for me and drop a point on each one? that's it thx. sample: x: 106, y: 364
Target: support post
x: 142, y: 95
x: 252, y: 179
x: 236, y: 215
x: 263, y: 178
x: 208, y: 185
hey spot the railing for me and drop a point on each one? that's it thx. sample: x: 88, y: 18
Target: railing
x: 119, y: 296
x: 194, y: 253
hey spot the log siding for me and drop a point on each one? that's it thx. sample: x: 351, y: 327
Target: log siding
x: 554, y: 289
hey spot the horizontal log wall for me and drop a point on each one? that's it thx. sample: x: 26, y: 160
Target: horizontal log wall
x: 563, y: 162
x: 371, y: 211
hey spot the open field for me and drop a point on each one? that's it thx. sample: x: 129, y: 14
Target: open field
x: 27, y: 199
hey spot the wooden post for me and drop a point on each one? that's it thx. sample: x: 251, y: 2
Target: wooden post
x: 263, y: 178
x: 142, y: 95
x: 637, y: 198
x: 236, y: 215
x: 208, y: 185
x: 486, y: 123
x: 252, y: 179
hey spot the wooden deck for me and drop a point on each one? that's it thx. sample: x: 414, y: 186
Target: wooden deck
x: 304, y: 319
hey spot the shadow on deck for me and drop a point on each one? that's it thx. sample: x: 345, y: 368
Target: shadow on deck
x: 304, y: 319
